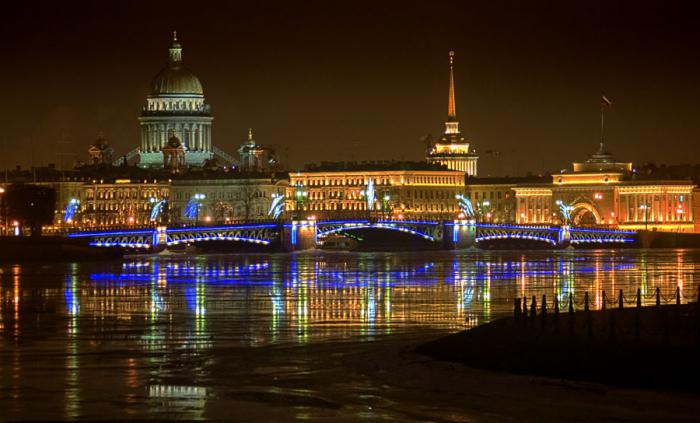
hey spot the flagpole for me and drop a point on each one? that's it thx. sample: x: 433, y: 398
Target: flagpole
x: 602, y: 123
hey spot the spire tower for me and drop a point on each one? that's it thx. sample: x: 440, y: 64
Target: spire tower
x: 452, y: 150
x: 451, y: 125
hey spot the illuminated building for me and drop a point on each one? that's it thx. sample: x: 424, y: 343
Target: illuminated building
x: 100, y: 152
x: 452, y: 150
x: 493, y: 199
x: 119, y: 202
x: 402, y: 189
x: 603, y: 191
x: 225, y: 199
x: 176, y: 107
x: 255, y: 157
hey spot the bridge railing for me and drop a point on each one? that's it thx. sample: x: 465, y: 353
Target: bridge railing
x: 321, y: 215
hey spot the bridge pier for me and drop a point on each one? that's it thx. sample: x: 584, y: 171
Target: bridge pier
x: 564, y: 237
x: 458, y: 234
x: 299, y: 235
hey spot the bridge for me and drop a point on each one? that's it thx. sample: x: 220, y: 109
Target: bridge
x: 309, y: 234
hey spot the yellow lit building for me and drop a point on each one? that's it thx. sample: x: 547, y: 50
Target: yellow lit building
x: 452, y: 150
x: 602, y: 191
x: 120, y: 201
x: 399, y: 189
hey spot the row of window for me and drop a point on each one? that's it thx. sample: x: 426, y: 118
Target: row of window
x: 239, y: 194
x: 124, y: 194
x: 362, y: 181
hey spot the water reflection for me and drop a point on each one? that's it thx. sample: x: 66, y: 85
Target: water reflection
x: 153, y: 328
x: 302, y: 297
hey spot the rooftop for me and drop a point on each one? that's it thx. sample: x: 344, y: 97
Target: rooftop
x: 372, y: 166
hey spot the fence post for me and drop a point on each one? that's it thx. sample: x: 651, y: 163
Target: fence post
x: 604, y: 301
x: 571, y: 314
x: 516, y: 310
x: 639, y: 298
x: 585, y: 301
x: 658, y: 297
x: 543, y: 313
x: 524, y: 321
x: 621, y: 304
x: 555, y: 305
x: 533, y: 311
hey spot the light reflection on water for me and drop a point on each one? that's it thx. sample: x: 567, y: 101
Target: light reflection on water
x: 147, y: 333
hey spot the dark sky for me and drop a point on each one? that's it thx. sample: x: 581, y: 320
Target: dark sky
x: 362, y: 80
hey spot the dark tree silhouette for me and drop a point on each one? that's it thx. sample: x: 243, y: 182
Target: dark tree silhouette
x: 31, y: 205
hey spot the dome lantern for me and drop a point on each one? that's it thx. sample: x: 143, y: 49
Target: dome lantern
x: 175, y: 51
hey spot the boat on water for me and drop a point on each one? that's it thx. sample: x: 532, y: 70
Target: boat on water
x: 339, y: 243
x: 166, y: 252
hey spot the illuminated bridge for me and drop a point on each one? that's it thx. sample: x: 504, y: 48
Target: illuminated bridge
x: 261, y: 233
x: 308, y: 234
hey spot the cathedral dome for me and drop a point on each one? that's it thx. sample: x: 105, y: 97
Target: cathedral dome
x: 176, y: 79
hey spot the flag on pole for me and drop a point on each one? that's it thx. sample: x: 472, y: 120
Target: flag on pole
x: 606, y: 101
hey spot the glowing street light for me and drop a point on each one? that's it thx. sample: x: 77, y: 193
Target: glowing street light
x: 646, y: 208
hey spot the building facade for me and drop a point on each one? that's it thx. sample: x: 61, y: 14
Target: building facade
x: 603, y: 191
x: 397, y: 191
x: 222, y: 197
x: 224, y: 200
x: 452, y: 149
x: 119, y: 202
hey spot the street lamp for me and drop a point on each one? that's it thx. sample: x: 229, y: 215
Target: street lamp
x: 484, y: 212
x: 386, y: 207
x: 646, y: 208
x: 300, y: 195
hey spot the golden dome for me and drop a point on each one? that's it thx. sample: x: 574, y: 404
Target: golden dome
x: 175, y: 78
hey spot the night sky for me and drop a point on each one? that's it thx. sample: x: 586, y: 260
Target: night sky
x: 354, y: 80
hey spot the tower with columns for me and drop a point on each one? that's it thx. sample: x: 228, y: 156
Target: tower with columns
x: 175, y: 107
x: 452, y: 150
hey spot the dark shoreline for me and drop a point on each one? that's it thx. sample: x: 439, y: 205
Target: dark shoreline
x: 52, y: 248
x: 663, y: 356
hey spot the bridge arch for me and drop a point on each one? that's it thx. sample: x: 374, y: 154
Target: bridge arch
x: 585, y: 213
x: 322, y: 232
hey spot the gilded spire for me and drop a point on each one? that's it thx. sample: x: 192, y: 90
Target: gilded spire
x: 451, y: 108
x: 452, y: 125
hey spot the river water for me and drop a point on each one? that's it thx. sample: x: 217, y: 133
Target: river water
x: 271, y: 337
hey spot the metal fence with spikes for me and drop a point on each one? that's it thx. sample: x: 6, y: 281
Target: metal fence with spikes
x: 528, y: 313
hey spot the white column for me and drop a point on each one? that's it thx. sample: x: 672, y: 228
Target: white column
x: 194, y: 140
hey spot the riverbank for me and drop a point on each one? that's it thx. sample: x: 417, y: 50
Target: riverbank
x: 52, y: 248
x: 597, y: 346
